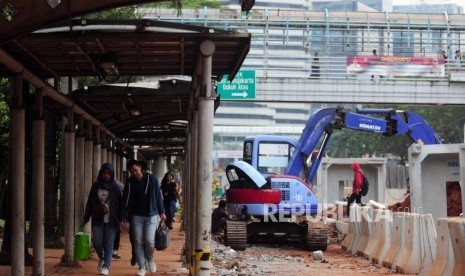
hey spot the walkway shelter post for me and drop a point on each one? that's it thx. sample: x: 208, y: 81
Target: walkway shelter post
x: 38, y: 185
x: 17, y: 164
x: 204, y: 178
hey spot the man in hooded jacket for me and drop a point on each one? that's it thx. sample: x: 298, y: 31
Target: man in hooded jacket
x: 104, y: 205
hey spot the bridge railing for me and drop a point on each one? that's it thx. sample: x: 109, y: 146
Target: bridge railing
x: 300, y: 66
x: 284, y: 42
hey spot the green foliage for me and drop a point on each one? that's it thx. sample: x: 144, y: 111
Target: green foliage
x: 195, y: 4
x: 192, y: 4
x: 115, y: 13
x: 447, y: 121
x: 89, y: 81
x: 178, y: 6
x: 4, y: 115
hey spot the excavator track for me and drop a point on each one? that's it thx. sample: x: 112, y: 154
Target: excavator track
x: 317, y: 237
x: 236, y: 234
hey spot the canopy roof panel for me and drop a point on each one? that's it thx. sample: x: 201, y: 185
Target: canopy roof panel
x: 155, y: 119
x: 134, y: 47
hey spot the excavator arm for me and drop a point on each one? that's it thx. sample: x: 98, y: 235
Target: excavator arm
x: 322, y: 122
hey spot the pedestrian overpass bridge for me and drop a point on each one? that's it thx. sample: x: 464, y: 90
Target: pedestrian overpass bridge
x: 360, y: 91
x: 284, y: 44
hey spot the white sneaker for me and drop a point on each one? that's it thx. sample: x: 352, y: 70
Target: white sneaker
x: 141, y: 272
x: 152, y: 267
x: 100, y: 265
x: 104, y: 271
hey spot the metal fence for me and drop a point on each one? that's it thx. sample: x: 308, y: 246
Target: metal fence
x: 397, y: 177
x: 284, y: 42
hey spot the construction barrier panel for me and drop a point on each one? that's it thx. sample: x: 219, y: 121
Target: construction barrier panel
x: 457, y: 238
x: 385, y: 228
x: 341, y: 206
x: 397, y: 239
x: 409, y: 261
x: 374, y: 234
x: 365, y: 228
x: 349, y: 238
x: 443, y: 263
x: 428, y: 241
x: 357, y: 217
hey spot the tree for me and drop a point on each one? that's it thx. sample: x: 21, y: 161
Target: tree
x: 4, y: 143
x: 447, y: 121
x: 192, y: 4
x: 115, y: 13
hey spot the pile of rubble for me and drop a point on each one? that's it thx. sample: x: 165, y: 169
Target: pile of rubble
x: 227, y: 261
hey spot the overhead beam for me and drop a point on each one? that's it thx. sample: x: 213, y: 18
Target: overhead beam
x: 23, y: 16
x: 50, y: 91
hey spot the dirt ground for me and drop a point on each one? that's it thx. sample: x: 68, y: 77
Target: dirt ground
x: 287, y: 260
x: 255, y: 260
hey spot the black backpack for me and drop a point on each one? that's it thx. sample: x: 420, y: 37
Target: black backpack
x: 365, y: 186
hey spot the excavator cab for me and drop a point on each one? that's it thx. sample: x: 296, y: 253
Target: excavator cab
x: 270, y: 210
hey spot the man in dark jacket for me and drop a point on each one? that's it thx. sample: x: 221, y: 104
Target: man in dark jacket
x: 219, y: 217
x: 104, y: 205
x: 143, y: 204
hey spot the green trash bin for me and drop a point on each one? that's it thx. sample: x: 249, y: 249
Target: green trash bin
x: 81, y: 246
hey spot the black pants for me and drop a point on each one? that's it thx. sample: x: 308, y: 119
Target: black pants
x: 132, y: 240
x: 117, y: 238
x: 219, y: 226
x: 353, y: 197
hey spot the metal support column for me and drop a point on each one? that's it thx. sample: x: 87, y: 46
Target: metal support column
x: 186, y: 196
x: 204, y: 177
x: 88, y: 164
x: 38, y: 184
x: 70, y: 144
x: 159, y: 167
x: 117, y: 159
x: 80, y: 182
x: 103, y: 153
x: 97, y: 155
x: 17, y: 161
x: 193, y: 186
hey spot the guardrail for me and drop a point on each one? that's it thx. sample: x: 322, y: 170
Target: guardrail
x: 284, y: 42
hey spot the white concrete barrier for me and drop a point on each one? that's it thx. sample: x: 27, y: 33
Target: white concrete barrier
x: 428, y: 241
x: 374, y: 234
x: 385, y: 229
x: 443, y: 263
x: 397, y: 239
x: 342, y: 227
x: 355, y: 215
x: 365, y: 228
x: 409, y: 259
x: 457, y: 238
x: 376, y: 205
x: 349, y: 238
x: 340, y: 205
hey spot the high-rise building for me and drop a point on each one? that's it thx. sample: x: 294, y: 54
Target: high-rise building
x: 352, y: 5
x: 450, y: 8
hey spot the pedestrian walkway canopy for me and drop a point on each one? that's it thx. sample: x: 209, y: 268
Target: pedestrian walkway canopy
x: 112, y: 49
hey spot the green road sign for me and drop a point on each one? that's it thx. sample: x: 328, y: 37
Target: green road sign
x: 241, y: 88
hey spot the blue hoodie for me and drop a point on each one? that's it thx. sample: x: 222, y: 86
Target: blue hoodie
x: 153, y: 192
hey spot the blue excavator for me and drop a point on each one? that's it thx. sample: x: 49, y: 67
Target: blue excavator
x: 281, y: 207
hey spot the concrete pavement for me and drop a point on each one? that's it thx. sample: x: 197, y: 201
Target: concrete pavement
x: 168, y: 261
